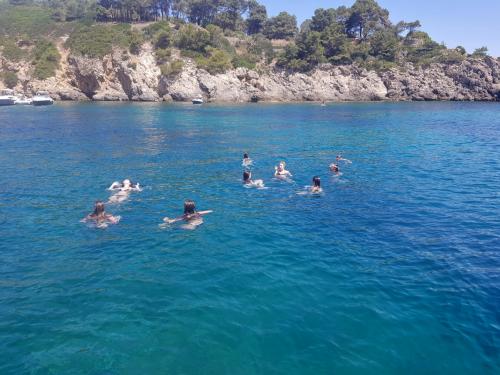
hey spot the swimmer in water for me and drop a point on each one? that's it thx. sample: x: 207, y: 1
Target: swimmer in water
x: 124, y: 190
x: 316, y: 188
x: 339, y: 158
x: 126, y: 185
x: 281, y: 172
x: 334, y: 168
x: 191, y: 217
x: 247, y: 180
x: 100, y: 216
x: 246, y: 160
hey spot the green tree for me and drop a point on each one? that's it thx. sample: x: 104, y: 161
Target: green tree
x: 384, y: 45
x: 257, y: 17
x: 283, y: 26
x: 480, y: 52
x: 334, y: 41
x: 322, y: 19
x: 311, y: 48
x: 201, y: 12
x: 10, y: 79
x: 366, y: 17
x: 229, y: 14
x: 193, y: 38
x: 408, y: 27
x: 217, y: 62
x: 163, y: 39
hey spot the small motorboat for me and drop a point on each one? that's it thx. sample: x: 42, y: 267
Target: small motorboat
x: 23, y: 100
x: 42, y: 98
x: 198, y: 100
x: 7, y: 97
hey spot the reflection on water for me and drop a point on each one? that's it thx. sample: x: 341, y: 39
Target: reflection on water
x: 394, y: 268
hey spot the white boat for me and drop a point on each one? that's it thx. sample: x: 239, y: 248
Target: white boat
x: 197, y: 101
x: 42, y: 98
x: 7, y: 97
x: 23, y: 100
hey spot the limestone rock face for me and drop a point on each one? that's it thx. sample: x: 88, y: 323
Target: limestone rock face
x: 122, y: 76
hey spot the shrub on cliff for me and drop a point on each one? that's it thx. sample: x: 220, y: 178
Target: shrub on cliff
x: 45, y: 59
x: 172, y: 69
x: 193, y: 38
x: 162, y: 55
x: 218, y: 61
x: 31, y: 21
x: 451, y: 56
x: 155, y: 28
x: 11, y: 51
x: 99, y: 40
x: 480, y: 52
x: 261, y: 46
x: 9, y: 79
x: 163, y: 39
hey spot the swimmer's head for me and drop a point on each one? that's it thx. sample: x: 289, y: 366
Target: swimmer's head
x: 189, y: 207
x: 127, y: 182
x: 98, y: 208
x: 281, y: 165
x: 316, y: 181
x: 245, y: 156
x: 246, y: 176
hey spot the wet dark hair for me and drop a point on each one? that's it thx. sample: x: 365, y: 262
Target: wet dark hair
x: 246, y: 176
x: 99, y: 208
x: 245, y: 156
x: 189, y: 207
x: 316, y: 181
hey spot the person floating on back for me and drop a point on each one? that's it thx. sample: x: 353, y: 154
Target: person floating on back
x: 126, y: 185
x: 122, y: 190
x: 246, y: 160
x: 280, y: 171
x: 248, y: 182
x: 100, y: 217
x: 191, y: 217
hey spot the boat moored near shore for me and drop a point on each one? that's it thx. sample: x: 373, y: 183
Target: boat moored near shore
x: 23, y: 100
x: 42, y: 98
x: 7, y: 97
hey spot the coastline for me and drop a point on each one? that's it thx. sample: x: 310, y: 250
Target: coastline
x: 115, y: 79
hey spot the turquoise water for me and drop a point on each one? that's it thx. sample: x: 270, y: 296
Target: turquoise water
x: 394, y: 270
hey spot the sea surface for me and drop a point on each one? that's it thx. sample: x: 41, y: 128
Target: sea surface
x: 394, y: 269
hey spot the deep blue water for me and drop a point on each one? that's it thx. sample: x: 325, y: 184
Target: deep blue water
x: 394, y: 270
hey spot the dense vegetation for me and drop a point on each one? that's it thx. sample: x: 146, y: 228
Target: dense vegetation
x: 217, y: 34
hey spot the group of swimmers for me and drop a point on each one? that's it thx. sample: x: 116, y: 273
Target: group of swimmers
x: 281, y: 173
x: 192, y: 218
x: 122, y: 192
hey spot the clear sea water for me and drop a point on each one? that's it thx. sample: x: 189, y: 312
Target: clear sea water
x: 394, y: 270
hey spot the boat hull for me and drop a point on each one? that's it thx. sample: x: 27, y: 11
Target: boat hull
x: 4, y: 102
x: 42, y: 102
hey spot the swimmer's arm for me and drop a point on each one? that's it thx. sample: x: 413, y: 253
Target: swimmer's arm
x: 205, y: 212
x: 115, y: 185
x: 171, y: 221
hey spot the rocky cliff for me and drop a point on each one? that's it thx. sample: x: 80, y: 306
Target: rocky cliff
x: 122, y: 76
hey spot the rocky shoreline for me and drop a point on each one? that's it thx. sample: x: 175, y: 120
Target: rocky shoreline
x: 121, y: 76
